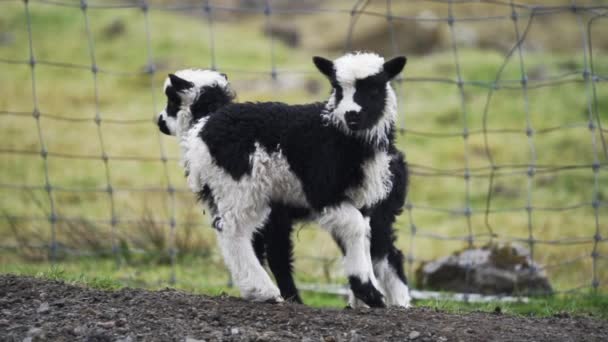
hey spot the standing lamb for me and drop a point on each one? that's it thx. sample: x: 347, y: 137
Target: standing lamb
x: 273, y: 241
x: 331, y: 159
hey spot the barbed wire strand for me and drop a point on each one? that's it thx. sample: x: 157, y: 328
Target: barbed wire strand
x: 52, y: 218
x: 151, y: 70
x: 465, y: 137
x: 591, y: 107
x: 98, y: 120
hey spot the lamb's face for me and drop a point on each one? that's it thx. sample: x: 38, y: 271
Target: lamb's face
x: 192, y: 94
x: 360, y: 87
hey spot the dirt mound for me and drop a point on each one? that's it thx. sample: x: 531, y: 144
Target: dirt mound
x: 48, y: 310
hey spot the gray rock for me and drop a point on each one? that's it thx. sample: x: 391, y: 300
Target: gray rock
x: 125, y: 339
x: 353, y: 336
x: 35, y: 332
x: 190, y: 339
x: 494, y: 269
x: 414, y: 335
x: 43, y: 308
x: 106, y: 325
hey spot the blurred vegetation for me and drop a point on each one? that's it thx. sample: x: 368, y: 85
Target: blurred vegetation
x: 127, y: 98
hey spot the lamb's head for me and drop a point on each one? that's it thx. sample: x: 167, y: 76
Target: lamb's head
x: 362, y: 101
x: 192, y: 94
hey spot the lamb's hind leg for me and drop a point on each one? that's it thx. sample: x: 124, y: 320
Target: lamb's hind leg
x: 351, y: 231
x: 387, y: 258
x: 235, y: 242
x: 279, y: 251
x: 389, y: 270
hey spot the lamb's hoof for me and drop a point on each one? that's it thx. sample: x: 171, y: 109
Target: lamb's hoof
x: 404, y: 304
x: 294, y: 299
x: 367, y: 293
x: 263, y: 295
x: 275, y: 300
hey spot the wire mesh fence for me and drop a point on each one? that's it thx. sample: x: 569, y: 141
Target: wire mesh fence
x: 85, y: 165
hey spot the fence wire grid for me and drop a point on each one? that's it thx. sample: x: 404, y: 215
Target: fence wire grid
x: 475, y: 212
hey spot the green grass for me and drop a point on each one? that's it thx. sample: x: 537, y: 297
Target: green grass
x: 179, y: 41
x: 587, y: 304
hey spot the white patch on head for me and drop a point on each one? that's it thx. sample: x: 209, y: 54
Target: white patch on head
x: 347, y: 104
x: 356, y: 66
x: 199, y: 77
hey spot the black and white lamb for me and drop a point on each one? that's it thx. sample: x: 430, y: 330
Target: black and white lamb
x: 273, y: 241
x: 331, y: 159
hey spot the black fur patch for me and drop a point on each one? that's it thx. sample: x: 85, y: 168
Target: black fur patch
x: 370, y: 94
x: 395, y: 260
x: 338, y: 92
x: 366, y: 292
x: 211, y: 99
x: 259, y: 248
x: 179, y: 83
x: 279, y: 248
x: 206, y: 196
x: 174, y: 101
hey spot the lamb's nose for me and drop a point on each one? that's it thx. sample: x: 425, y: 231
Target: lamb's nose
x: 162, y: 125
x: 352, y: 119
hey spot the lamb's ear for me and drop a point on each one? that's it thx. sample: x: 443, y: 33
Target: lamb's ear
x: 394, y: 66
x: 180, y: 83
x: 224, y: 76
x: 325, y: 66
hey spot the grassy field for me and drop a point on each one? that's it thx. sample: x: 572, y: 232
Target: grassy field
x: 69, y: 98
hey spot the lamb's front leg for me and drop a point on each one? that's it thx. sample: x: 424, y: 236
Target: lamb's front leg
x: 351, y: 231
x: 247, y: 272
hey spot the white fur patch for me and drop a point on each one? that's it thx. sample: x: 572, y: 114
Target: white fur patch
x: 247, y: 272
x: 246, y: 201
x: 243, y: 206
x: 348, y: 102
x: 347, y: 224
x: 354, y: 66
x: 376, y: 182
x: 397, y: 293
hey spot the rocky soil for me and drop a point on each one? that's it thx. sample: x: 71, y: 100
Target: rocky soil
x: 34, y: 309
